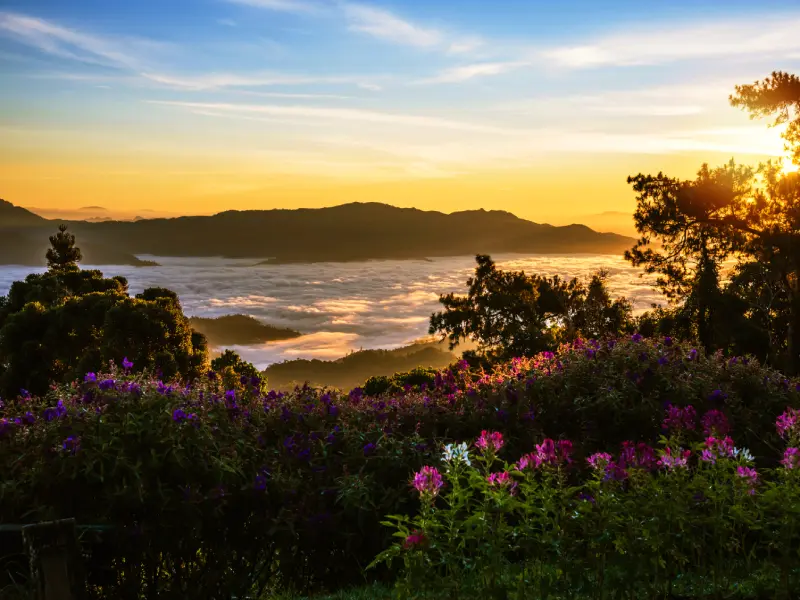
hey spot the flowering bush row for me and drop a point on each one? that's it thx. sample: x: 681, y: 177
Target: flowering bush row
x: 671, y: 521
x: 205, y: 482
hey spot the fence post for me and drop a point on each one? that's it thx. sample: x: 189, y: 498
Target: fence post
x: 54, y: 557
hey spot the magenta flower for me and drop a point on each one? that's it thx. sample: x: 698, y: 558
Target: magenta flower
x: 529, y: 461
x: 547, y: 452
x: 502, y: 480
x: 750, y: 477
x: 788, y: 424
x: 679, y: 418
x: 126, y: 364
x: 428, y: 481
x: 791, y: 458
x: 641, y: 456
x: 715, y: 423
x: 716, y: 448
x: 415, y: 540
x: 490, y: 441
x: 672, y: 462
x: 599, y: 460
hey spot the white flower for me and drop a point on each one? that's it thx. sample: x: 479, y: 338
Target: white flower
x: 744, y: 454
x: 456, y: 454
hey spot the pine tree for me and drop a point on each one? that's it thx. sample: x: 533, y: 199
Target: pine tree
x: 63, y: 256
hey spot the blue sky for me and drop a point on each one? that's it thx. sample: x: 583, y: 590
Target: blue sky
x: 211, y: 104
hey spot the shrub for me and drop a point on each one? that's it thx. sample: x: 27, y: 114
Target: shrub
x: 213, y: 491
x: 672, y: 522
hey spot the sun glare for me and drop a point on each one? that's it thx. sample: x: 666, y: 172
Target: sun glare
x: 790, y: 167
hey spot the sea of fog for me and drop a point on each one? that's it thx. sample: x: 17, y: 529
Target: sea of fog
x: 340, y: 307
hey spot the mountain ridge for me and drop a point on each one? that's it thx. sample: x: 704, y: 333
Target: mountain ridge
x: 343, y: 233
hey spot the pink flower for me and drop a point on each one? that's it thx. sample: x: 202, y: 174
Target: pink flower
x: 502, y: 480
x: 679, y: 461
x: 791, y: 458
x: 415, y: 540
x: 529, y: 461
x: 750, y: 476
x: 788, y: 424
x: 491, y: 441
x: 641, y: 455
x: 546, y: 451
x: 428, y: 481
x: 715, y: 423
x: 599, y: 460
x: 716, y: 448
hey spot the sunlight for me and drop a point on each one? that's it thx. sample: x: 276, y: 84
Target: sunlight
x: 789, y: 167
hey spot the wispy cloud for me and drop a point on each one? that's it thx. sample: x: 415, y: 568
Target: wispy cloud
x: 466, y: 72
x: 227, y: 22
x: 56, y: 40
x: 387, y: 26
x: 217, y: 81
x: 762, y: 37
x: 342, y: 114
x: 292, y: 6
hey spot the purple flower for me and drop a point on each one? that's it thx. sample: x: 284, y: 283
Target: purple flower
x: 29, y: 418
x: 716, y: 448
x: 718, y: 396
x: 668, y: 341
x: 369, y: 448
x: 672, y: 462
x: 126, y: 364
x: 90, y: 378
x: 692, y: 354
x: 428, y: 482
x: 107, y: 384
x: 586, y: 497
x: 72, y: 444
x: 179, y: 415
x: 24, y: 393
x: 791, y: 458
x: 414, y: 540
x: 636, y: 337
x: 663, y: 360
x: 788, y: 424
x: 715, y: 423
x: 679, y: 418
x: 615, y: 472
x: 599, y: 460
x: 750, y: 476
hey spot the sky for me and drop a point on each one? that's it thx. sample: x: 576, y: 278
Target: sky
x: 161, y: 107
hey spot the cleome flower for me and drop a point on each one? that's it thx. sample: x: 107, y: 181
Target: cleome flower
x: 716, y: 448
x: 428, y: 481
x: 788, y: 424
x: 599, y: 460
x: 672, y: 462
x: 456, y: 453
x: 416, y: 539
x: 490, y: 441
x: 791, y: 459
x: 750, y: 476
x: 502, y: 480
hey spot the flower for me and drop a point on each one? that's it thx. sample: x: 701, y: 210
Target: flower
x: 179, y: 415
x: 369, y: 448
x: 529, y: 461
x: 715, y: 423
x: 743, y: 454
x: 490, y: 441
x: 679, y: 418
x: 791, y: 458
x: 599, y: 460
x: 678, y: 461
x: 502, y: 480
x: 716, y: 448
x: 718, y: 396
x: 750, y: 476
x: 636, y: 337
x: 668, y: 341
x: 90, y: 378
x: 586, y: 497
x: 414, y: 540
x: 428, y: 481
x: 456, y: 454
x: 72, y: 444
x: 126, y: 364
x: 107, y: 384
x: 788, y: 424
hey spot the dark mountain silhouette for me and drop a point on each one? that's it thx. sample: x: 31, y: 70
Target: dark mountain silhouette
x: 16, y: 216
x: 349, y: 232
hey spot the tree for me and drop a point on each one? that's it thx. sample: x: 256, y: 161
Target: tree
x: 777, y: 95
x: 61, y: 324
x: 687, y: 219
x: 63, y: 256
x: 510, y: 313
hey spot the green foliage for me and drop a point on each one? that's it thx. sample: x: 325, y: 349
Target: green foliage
x: 416, y: 378
x: 203, y: 486
x: 57, y: 326
x: 542, y: 527
x: 511, y: 314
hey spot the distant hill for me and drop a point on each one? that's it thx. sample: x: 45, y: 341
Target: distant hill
x: 24, y: 241
x: 349, y: 232
x: 239, y: 330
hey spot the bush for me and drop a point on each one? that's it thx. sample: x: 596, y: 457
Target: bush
x: 213, y: 492
x: 666, y: 523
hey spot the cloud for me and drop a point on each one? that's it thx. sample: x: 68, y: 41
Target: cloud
x: 466, y: 72
x: 464, y: 46
x: 372, y: 87
x: 384, y: 25
x: 761, y: 37
x: 227, y: 22
x: 63, y: 42
x: 214, y: 81
x: 341, y: 114
x: 292, y: 6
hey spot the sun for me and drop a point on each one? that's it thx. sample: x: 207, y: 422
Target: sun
x: 789, y: 167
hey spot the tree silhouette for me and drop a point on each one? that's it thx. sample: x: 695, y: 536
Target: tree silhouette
x: 63, y: 256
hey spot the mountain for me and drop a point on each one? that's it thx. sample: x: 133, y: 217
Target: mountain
x: 236, y: 330
x: 349, y: 232
x: 24, y: 241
